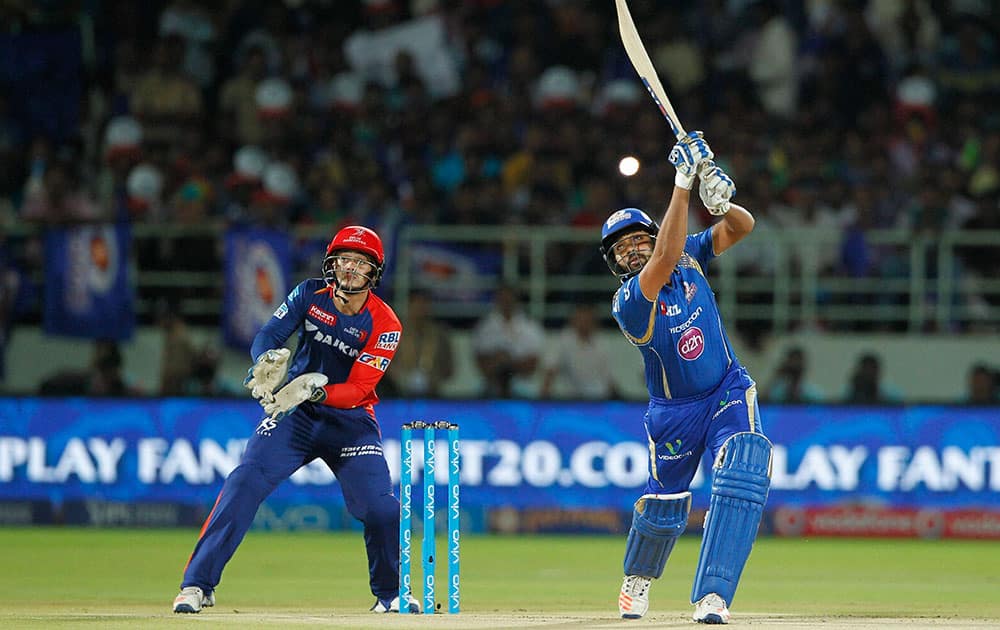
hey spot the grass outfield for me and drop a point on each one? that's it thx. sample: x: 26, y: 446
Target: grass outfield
x: 61, y: 577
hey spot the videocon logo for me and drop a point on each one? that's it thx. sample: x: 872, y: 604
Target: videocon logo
x: 722, y: 403
x: 673, y: 448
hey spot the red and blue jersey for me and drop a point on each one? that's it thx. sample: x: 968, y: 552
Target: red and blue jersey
x: 680, y: 335
x: 353, y: 351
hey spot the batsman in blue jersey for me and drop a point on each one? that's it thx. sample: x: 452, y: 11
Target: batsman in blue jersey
x: 700, y: 397
x: 347, y: 337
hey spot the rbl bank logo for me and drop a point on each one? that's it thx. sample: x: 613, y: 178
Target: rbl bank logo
x: 691, y: 344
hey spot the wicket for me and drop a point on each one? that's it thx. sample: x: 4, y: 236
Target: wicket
x: 406, y: 515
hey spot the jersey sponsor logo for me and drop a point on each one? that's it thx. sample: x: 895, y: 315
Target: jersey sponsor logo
x: 361, y: 449
x: 282, y: 311
x: 333, y: 342
x: 690, y: 289
x: 691, y: 344
x: 669, y: 311
x: 324, y: 317
x: 375, y: 361
x: 669, y: 458
x: 687, y: 262
x: 357, y: 333
x: 388, y: 341
x: 690, y: 321
x: 266, y: 426
x: 723, y: 405
x: 675, y: 451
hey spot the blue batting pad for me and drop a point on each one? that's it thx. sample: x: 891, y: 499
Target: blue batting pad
x: 657, y: 521
x: 742, y: 476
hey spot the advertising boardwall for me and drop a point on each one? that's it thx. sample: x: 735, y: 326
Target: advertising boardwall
x: 526, y: 466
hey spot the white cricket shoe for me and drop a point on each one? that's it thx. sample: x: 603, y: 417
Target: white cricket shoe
x: 711, y: 609
x: 633, y: 601
x: 392, y: 606
x: 192, y: 599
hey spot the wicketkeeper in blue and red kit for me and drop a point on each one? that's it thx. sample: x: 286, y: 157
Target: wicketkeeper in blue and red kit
x: 347, y: 337
x: 700, y: 397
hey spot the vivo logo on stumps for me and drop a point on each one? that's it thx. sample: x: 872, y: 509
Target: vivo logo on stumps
x: 453, y: 552
x: 453, y: 597
x: 429, y: 499
x: 691, y: 344
x: 406, y: 504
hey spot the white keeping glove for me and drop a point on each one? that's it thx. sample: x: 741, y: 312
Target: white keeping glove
x: 304, y: 387
x: 268, y: 373
x: 716, y: 188
x: 687, y: 156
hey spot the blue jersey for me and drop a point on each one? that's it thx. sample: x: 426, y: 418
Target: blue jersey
x: 354, y: 349
x: 354, y: 352
x: 683, y: 343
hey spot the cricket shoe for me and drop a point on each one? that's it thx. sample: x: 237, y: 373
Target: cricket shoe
x: 633, y: 601
x: 392, y: 606
x: 192, y: 599
x: 711, y: 609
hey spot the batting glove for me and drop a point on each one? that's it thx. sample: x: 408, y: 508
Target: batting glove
x: 716, y: 188
x: 267, y: 373
x: 305, y: 387
x: 687, y: 156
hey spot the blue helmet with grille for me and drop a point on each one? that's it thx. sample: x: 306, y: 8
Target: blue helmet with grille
x: 621, y: 222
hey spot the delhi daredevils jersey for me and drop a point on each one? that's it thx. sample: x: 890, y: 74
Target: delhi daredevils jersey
x: 680, y: 335
x: 354, y: 349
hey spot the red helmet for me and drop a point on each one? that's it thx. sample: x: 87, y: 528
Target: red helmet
x: 355, y: 238
x: 360, y: 239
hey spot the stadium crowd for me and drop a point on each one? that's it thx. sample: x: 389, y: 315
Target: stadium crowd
x: 830, y: 115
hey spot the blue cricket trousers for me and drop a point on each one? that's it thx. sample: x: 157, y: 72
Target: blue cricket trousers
x: 350, y: 443
x: 680, y: 430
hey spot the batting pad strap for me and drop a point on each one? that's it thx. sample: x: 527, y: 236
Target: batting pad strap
x: 742, y: 476
x: 740, y: 485
x: 657, y: 521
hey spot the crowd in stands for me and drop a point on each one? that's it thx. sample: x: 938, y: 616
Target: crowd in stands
x: 841, y: 116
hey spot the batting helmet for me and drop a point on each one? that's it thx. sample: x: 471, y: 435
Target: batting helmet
x: 620, y: 222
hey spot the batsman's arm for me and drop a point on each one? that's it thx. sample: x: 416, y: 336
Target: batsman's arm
x: 669, y: 245
x: 687, y: 156
x: 733, y: 227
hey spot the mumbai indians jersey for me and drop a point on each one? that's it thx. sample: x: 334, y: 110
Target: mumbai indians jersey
x: 680, y: 335
x: 331, y: 342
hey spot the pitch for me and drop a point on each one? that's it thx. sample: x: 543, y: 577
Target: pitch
x: 74, y: 578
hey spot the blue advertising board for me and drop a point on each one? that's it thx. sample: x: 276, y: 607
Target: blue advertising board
x: 516, y: 454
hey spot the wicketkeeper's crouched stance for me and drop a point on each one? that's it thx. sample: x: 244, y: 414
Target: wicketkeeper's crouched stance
x: 347, y: 337
x: 700, y: 396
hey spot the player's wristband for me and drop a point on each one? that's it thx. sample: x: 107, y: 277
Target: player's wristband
x: 683, y: 181
x: 319, y: 395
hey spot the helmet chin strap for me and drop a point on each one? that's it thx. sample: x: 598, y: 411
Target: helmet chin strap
x: 343, y: 294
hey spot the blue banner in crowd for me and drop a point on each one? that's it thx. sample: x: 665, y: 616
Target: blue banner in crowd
x: 514, y: 454
x: 258, y: 268
x: 88, y: 292
x: 451, y: 272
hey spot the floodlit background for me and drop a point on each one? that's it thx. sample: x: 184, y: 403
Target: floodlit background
x: 169, y: 170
